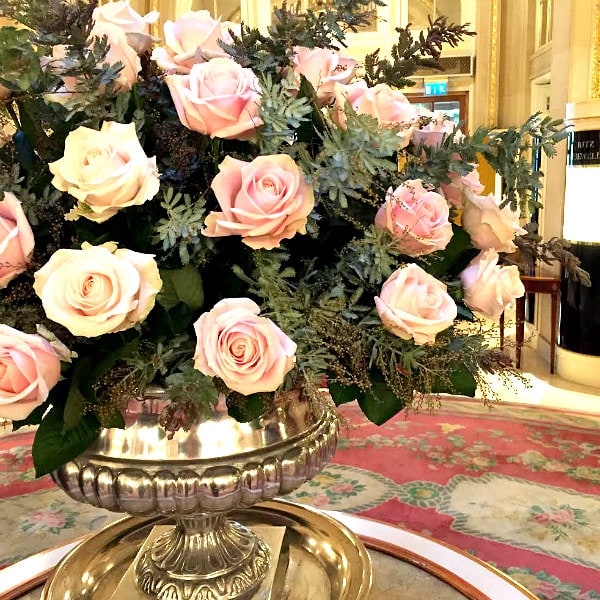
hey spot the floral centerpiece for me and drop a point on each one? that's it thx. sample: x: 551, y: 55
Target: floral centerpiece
x: 226, y: 212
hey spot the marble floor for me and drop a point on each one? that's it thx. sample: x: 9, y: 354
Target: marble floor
x: 545, y: 389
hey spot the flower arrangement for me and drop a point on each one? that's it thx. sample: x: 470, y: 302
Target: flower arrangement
x: 223, y: 211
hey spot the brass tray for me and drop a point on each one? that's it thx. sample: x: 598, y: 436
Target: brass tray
x: 326, y: 560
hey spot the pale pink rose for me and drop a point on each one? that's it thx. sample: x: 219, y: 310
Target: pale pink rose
x: 417, y: 218
x: 190, y: 40
x: 390, y: 107
x: 264, y: 201
x: 454, y: 191
x: 105, y: 170
x: 16, y: 239
x: 323, y: 68
x: 562, y: 516
x: 98, y: 289
x: 121, y: 14
x: 490, y: 288
x: 49, y: 518
x: 55, y: 64
x: 248, y: 352
x: 320, y: 500
x: 435, y: 131
x: 542, y: 518
x: 119, y: 51
x: 29, y: 369
x: 488, y: 225
x: 414, y: 304
x: 218, y: 98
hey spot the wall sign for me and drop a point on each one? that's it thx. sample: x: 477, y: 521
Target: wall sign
x: 438, y: 87
x: 584, y: 148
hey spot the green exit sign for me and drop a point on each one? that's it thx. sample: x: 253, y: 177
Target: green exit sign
x: 436, y: 88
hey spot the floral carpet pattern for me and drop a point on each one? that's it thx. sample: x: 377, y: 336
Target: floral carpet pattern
x: 517, y: 486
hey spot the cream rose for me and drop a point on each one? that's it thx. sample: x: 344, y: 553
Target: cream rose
x: 105, y: 170
x: 489, y: 288
x: 488, y: 225
x: 119, y: 51
x: 248, y: 352
x: 218, y: 98
x: 265, y: 201
x: 192, y: 39
x: 29, y: 369
x: 16, y: 239
x: 390, y: 107
x: 98, y: 289
x: 417, y: 218
x: 459, y: 185
x: 323, y: 68
x: 413, y: 304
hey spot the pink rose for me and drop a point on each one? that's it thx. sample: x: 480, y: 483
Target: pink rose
x: 489, y: 288
x: 119, y: 51
x: 218, y: 98
x: 16, y: 239
x: 417, y: 218
x: 563, y: 516
x: 105, y: 170
x: 435, y: 131
x: 459, y: 185
x: 29, y: 369
x: 121, y: 14
x: 488, y: 225
x: 248, y: 352
x: 413, y: 304
x: 323, y: 68
x: 390, y: 107
x: 190, y: 40
x: 265, y: 201
x: 98, y: 289
x: 135, y: 26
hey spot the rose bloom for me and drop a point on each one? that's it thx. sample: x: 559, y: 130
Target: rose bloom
x: 98, y: 289
x: 105, y: 170
x: 119, y: 51
x: 488, y: 225
x: 323, y: 68
x: 120, y: 13
x: 16, y: 239
x: 248, y: 352
x: 414, y: 304
x: 417, y: 218
x: 265, y: 201
x: 489, y: 288
x: 190, y: 40
x: 390, y: 107
x: 436, y: 130
x: 218, y: 98
x: 135, y: 26
x: 459, y: 184
x: 29, y: 369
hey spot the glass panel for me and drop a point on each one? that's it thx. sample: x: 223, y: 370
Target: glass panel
x: 450, y: 109
x: 228, y: 10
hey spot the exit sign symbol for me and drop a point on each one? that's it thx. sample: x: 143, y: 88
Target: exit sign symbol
x: 436, y: 88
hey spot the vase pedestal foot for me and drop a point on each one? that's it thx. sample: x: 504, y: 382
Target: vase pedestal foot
x: 203, y: 558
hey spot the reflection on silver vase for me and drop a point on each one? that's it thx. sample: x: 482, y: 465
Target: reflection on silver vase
x: 198, y: 477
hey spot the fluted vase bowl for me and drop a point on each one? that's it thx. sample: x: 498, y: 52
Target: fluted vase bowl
x: 196, y: 478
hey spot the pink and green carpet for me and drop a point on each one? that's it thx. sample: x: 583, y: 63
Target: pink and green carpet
x: 517, y: 486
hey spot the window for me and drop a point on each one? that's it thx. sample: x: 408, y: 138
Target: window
x: 419, y: 11
x: 544, y: 22
x: 454, y: 106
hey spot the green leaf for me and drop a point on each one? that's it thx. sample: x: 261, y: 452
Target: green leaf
x: 53, y: 446
x: 75, y: 404
x: 342, y: 394
x: 33, y: 418
x: 380, y: 404
x: 461, y: 379
x: 251, y: 407
x: 181, y: 285
x: 456, y: 256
